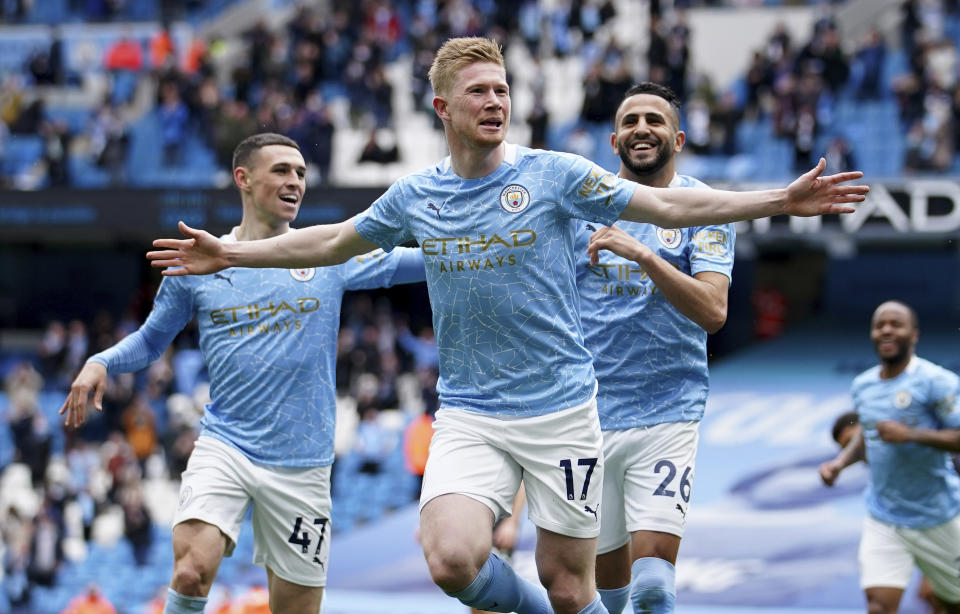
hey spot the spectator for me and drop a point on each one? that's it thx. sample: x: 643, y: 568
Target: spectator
x: 137, y: 525
x: 173, y: 117
x: 381, y: 147
x: 92, y: 601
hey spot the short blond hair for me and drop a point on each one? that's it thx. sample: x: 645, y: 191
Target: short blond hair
x: 458, y: 53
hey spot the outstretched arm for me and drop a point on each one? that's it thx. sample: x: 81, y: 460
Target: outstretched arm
x: 855, y: 451
x: 810, y: 194
x: 202, y: 253
x: 892, y: 431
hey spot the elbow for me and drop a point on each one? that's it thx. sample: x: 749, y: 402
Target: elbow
x: 714, y: 320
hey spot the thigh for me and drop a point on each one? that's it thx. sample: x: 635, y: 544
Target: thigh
x: 659, y: 476
x: 563, y: 469
x: 613, y: 527
x: 289, y: 598
x: 291, y: 523
x: 467, y: 458
x: 884, y: 559
x: 457, y: 525
x: 937, y: 553
x: 215, y: 488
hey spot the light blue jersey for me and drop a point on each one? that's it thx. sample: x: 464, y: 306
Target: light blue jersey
x: 500, y: 272
x: 269, y: 339
x: 651, y: 360
x: 911, y: 485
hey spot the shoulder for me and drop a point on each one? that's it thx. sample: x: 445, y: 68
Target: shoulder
x: 932, y: 370
x: 869, y: 376
x: 686, y: 181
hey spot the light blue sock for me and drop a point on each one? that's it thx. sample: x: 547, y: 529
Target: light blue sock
x: 497, y: 588
x: 596, y: 607
x: 182, y: 604
x: 653, y: 588
x: 615, y: 599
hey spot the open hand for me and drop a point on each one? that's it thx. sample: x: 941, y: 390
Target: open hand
x: 810, y: 194
x: 199, y: 254
x: 92, y: 378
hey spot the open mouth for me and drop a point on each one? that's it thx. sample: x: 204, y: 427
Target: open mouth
x: 290, y: 198
x: 643, y: 146
x: 492, y: 123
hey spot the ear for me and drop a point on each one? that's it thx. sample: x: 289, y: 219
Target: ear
x: 440, y: 106
x: 241, y: 177
x: 613, y: 143
x: 679, y: 141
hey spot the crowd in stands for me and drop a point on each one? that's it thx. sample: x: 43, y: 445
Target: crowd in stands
x: 117, y: 476
x: 283, y: 78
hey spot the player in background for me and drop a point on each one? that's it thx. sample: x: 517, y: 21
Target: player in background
x: 910, y: 422
x: 646, y: 310
x: 516, y: 386
x: 505, y: 533
x: 269, y: 339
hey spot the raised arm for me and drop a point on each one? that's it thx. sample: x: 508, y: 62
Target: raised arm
x: 854, y: 451
x: 809, y: 195
x: 892, y: 431
x: 202, y: 253
x: 701, y: 297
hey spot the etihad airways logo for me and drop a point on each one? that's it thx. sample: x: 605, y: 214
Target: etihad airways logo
x: 255, y: 311
x: 452, y: 246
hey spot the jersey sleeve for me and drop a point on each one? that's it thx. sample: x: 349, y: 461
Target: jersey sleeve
x: 944, y: 386
x: 591, y: 192
x: 713, y: 248
x: 380, y: 269
x: 384, y: 222
x: 172, y: 309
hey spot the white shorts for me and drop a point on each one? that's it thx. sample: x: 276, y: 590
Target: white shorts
x: 291, y: 508
x: 888, y: 555
x: 647, y: 481
x: 558, y: 456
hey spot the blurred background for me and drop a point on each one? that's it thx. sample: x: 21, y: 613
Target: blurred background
x: 119, y: 118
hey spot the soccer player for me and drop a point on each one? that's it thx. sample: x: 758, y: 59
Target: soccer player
x: 269, y: 338
x: 516, y: 383
x: 646, y: 311
x: 910, y: 422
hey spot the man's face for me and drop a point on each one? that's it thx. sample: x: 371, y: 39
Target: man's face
x: 646, y: 134
x: 893, y: 333
x: 478, y: 105
x: 275, y: 180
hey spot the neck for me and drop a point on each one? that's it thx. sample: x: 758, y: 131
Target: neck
x: 658, y: 179
x: 251, y: 228
x: 890, y: 370
x: 474, y: 162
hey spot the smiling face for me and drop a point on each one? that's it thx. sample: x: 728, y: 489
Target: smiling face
x: 477, y: 108
x: 273, y: 181
x: 646, y: 137
x: 894, y: 333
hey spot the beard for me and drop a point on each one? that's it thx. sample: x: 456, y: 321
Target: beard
x: 664, y: 153
x: 902, y: 353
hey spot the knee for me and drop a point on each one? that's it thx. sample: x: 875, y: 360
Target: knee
x: 452, y: 567
x: 187, y: 580
x: 565, y: 596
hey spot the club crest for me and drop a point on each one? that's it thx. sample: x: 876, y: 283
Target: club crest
x: 902, y: 399
x: 303, y: 274
x: 669, y: 237
x: 514, y: 198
